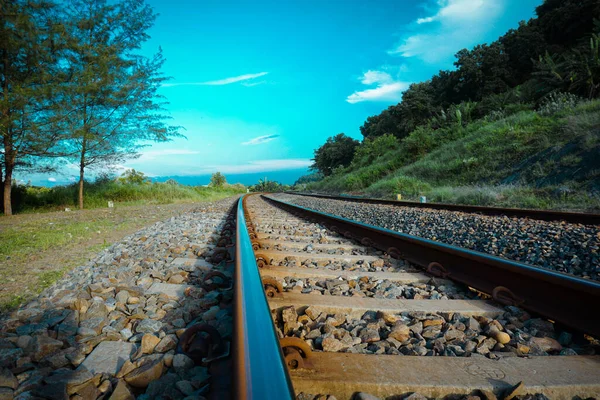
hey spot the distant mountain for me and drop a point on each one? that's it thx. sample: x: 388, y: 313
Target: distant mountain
x: 287, y: 177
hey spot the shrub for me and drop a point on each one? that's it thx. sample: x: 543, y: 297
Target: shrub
x: 131, y: 176
x: 556, y: 102
x: 217, y: 179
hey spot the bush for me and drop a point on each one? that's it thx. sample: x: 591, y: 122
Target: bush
x: 131, y: 176
x: 371, y: 149
x: 556, y: 102
x: 217, y: 179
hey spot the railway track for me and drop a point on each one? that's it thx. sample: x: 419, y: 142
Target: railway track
x: 359, y: 309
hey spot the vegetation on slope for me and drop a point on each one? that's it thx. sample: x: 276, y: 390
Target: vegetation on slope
x: 526, y: 159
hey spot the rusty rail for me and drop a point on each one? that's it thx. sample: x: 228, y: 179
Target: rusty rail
x: 259, y: 367
x: 544, y: 215
x: 557, y: 296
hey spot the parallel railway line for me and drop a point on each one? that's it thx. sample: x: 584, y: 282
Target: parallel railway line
x: 351, y: 301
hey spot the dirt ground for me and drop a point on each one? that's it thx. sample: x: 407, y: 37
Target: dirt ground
x: 37, y: 249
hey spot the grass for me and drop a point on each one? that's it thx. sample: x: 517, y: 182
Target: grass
x: 97, y: 195
x: 522, y: 160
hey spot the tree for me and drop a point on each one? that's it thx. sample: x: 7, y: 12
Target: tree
x: 133, y: 177
x: 337, y: 151
x: 111, y: 98
x: 482, y: 71
x: 30, y: 43
x: 218, y: 180
x: 565, y: 22
x: 523, y: 46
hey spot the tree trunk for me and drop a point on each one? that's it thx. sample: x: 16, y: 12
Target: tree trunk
x: 7, y: 191
x: 82, y: 171
x: 81, y: 188
x: 9, y: 164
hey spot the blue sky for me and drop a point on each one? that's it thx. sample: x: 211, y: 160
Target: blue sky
x: 258, y: 85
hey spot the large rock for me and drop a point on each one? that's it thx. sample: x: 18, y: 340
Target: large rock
x: 148, y: 326
x: 331, y: 344
x: 41, y: 346
x: 146, y: 373
x: 108, y: 357
x: 167, y: 343
x: 182, y: 362
x: 96, y: 310
x: 400, y: 332
x: 121, y: 392
x: 7, y: 379
x: 8, y: 357
x: 149, y: 342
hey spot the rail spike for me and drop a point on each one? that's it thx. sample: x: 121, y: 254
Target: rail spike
x: 273, y: 287
x: 505, y: 296
x: 224, y: 284
x: 437, y: 269
x: 297, y: 352
x: 261, y: 260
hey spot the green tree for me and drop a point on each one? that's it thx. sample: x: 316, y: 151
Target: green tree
x: 482, y: 71
x: 30, y: 44
x: 133, y: 177
x: 111, y: 99
x: 218, y: 180
x: 337, y: 151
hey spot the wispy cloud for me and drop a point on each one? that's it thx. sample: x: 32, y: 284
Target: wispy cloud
x: 387, y: 88
x: 260, y: 140
x: 456, y: 24
x: 226, y: 81
x: 51, y: 179
x: 250, y: 84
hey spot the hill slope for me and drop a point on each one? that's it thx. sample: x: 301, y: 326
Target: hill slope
x: 527, y: 159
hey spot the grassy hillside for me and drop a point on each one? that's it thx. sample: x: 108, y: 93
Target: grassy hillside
x: 540, y: 159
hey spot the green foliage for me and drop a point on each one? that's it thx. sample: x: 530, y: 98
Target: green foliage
x: 337, y: 151
x: 556, y: 102
x: 372, y: 148
x: 99, y: 193
x: 265, y: 185
x: 172, y: 182
x: 314, y: 177
x: 132, y: 177
x: 218, y: 179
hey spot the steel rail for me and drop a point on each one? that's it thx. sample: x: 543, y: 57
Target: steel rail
x: 544, y: 215
x: 259, y: 368
x: 560, y: 297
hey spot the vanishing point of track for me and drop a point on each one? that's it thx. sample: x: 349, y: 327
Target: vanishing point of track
x: 329, y: 306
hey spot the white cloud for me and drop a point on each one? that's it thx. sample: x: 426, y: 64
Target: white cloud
x: 425, y: 20
x: 456, y: 24
x: 387, y: 88
x: 260, y: 140
x: 51, y: 179
x: 226, y: 81
x: 371, y: 77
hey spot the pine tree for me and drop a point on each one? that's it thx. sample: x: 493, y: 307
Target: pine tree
x: 111, y: 100
x: 30, y: 44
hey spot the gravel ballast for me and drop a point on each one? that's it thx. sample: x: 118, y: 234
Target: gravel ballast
x: 560, y: 246
x: 112, y: 328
